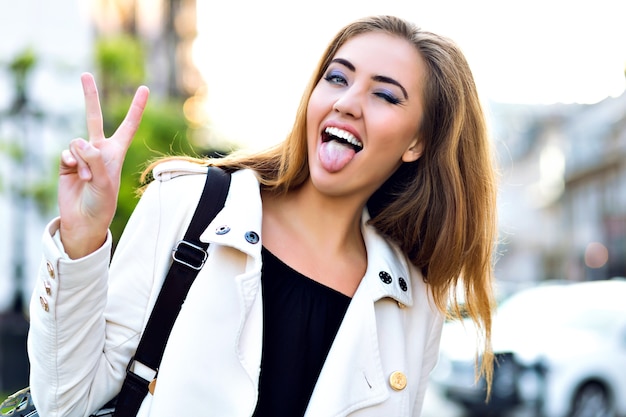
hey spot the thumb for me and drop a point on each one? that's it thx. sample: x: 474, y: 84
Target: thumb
x: 90, y: 164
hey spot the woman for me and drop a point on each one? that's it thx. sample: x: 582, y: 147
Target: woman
x: 376, y: 206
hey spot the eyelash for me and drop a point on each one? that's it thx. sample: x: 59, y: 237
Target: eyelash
x: 337, y: 78
x: 387, y: 96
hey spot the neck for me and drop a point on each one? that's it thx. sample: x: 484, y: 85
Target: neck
x: 317, y: 235
x: 329, y: 222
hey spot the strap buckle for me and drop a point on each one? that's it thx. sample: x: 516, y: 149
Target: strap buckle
x: 189, y: 255
x: 141, y: 370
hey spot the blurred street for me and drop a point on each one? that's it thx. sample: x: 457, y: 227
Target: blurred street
x: 436, y: 406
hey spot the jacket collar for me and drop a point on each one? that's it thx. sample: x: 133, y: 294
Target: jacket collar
x: 239, y: 222
x: 387, y: 274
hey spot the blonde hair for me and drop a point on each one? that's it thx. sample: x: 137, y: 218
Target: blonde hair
x: 440, y: 209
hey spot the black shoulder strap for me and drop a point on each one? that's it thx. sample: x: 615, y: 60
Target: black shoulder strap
x: 188, y: 257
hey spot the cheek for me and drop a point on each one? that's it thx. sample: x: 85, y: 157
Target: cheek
x: 315, y: 113
x: 396, y: 133
x: 314, y: 108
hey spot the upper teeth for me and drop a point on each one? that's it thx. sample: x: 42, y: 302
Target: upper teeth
x: 345, y: 135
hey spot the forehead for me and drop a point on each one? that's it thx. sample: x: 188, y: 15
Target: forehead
x: 380, y: 53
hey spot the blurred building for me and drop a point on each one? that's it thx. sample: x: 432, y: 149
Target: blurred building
x: 563, y: 191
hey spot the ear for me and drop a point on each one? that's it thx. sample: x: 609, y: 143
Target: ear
x: 414, y: 151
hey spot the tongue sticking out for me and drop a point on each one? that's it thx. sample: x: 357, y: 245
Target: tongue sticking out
x: 334, y: 155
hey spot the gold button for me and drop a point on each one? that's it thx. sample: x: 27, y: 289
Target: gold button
x: 50, y: 269
x: 44, y: 304
x: 152, y: 386
x: 48, y: 287
x: 397, y: 380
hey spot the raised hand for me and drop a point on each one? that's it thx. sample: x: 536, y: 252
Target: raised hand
x: 89, y: 174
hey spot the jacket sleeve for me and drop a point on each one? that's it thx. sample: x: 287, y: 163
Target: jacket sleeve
x: 86, y: 318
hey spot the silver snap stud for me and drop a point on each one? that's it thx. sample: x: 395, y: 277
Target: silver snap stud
x: 252, y: 237
x: 222, y: 230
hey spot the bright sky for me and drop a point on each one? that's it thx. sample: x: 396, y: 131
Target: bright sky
x: 257, y: 56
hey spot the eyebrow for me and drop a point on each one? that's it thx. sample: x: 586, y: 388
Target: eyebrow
x: 378, y: 78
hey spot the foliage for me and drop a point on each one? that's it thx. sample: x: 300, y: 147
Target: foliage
x: 13, y: 150
x: 23, y: 112
x: 20, y: 68
x: 120, y: 60
x: 163, y: 131
x: 23, y: 63
x: 120, y: 65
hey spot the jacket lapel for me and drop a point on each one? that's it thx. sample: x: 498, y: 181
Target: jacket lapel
x: 352, y: 376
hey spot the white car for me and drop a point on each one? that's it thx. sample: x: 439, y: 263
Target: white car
x: 561, y: 352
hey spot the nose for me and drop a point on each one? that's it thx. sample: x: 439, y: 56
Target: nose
x: 349, y: 103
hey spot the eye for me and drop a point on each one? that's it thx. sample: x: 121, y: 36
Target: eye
x: 388, y: 96
x: 336, y: 77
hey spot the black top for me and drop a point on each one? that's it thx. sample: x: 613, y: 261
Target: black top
x: 300, y: 320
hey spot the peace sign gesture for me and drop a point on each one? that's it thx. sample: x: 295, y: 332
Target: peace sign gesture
x: 89, y: 174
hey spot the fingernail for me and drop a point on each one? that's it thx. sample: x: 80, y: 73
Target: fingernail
x: 85, y: 173
x: 68, y: 157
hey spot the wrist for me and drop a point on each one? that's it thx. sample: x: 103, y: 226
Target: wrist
x: 80, y: 242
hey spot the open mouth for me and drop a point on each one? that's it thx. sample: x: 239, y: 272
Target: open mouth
x: 342, y: 136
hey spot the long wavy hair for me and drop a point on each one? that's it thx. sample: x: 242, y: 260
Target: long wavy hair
x: 441, y: 209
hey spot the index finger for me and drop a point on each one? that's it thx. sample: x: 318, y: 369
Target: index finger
x: 92, y: 108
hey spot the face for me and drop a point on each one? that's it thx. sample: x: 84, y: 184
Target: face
x: 363, y: 115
